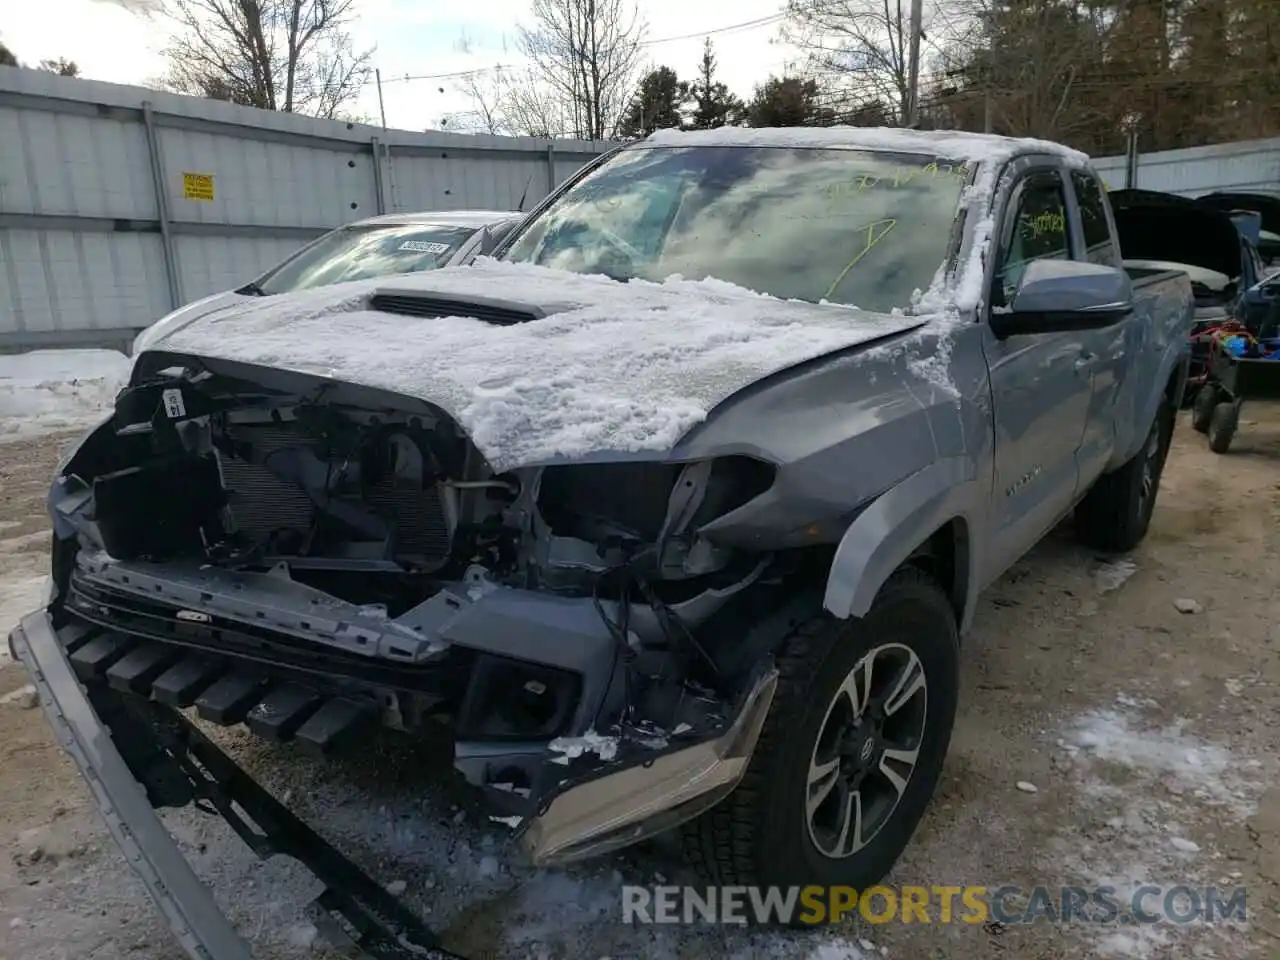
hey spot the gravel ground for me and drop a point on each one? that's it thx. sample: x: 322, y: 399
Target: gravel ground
x: 1147, y: 733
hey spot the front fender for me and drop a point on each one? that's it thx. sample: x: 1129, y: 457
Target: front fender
x: 896, y: 524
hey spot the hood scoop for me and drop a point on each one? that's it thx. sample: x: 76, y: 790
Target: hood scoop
x: 503, y: 313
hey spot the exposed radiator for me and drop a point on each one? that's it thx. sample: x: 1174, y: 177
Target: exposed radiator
x: 261, y: 502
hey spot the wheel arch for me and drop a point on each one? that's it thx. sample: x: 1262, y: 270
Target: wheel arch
x: 927, y: 520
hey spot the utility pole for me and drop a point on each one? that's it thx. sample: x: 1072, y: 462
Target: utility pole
x: 988, y: 100
x: 377, y: 75
x: 1129, y: 124
x: 386, y: 147
x: 913, y: 69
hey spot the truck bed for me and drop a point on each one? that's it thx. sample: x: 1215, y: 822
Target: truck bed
x: 1143, y: 277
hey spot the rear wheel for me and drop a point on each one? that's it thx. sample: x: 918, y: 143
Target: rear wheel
x: 1115, y: 514
x: 1202, y: 408
x: 851, y: 751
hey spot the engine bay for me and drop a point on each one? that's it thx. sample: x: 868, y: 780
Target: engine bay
x: 370, y: 526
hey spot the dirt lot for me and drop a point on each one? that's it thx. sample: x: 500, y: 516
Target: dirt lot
x: 1149, y: 734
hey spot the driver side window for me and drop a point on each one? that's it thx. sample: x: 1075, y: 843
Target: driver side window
x: 1039, y: 232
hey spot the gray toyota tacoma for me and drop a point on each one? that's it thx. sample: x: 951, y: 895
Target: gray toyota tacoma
x: 672, y: 513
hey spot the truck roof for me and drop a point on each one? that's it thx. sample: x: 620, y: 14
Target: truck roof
x: 954, y: 144
x: 446, y: 218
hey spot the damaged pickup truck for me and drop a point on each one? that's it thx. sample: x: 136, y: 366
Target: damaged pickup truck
x: 672, y: 513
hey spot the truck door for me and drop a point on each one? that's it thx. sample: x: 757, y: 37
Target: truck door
x: 1040, y: 383
x: 1104, y: 350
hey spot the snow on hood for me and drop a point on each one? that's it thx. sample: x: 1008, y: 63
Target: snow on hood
x: 613, y: 368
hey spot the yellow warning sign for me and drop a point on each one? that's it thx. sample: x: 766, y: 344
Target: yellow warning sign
x: 197, y: 186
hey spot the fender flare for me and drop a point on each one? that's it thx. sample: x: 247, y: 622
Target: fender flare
x: 888, y: 531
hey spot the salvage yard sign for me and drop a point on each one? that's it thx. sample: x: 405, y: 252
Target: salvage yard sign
x: 197, y: 186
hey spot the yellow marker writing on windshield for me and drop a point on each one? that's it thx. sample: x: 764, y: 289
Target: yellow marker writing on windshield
x: 900, y: 177
x: 873, y: 233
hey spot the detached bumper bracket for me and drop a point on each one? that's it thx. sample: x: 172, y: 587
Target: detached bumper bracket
x: 378, y: 924
x: 90, y: 721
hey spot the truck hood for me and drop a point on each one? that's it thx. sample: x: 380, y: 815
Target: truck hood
x: 538, y: 364
x: 1172, y: 229
x: 185, y: 314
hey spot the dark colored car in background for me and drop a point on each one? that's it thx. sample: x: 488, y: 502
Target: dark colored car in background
x: 1201, y: 238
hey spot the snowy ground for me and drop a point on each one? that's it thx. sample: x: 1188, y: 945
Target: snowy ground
x: 56, y: 389
x: 1105, y: 737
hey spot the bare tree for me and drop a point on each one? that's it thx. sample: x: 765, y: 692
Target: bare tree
x: 7, y: 59
x: 534, y: 109
x: 295, y: 56
x: 858, y: 50
x: 488, y: 92
x: 585, y: 56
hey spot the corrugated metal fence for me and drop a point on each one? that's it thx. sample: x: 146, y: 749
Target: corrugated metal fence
x: 1250, y: 165
x: 118, y: 203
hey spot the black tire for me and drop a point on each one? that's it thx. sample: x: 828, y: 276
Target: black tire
x: 1223, y: 426
x: 761, y: 834
x: 1202, y: 408
x: 1115, y: 514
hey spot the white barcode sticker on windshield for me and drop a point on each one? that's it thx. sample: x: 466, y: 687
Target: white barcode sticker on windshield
x: 174, y: 405
x: 424, y: 246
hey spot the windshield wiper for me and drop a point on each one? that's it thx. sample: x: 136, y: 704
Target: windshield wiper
x: 251, y: 289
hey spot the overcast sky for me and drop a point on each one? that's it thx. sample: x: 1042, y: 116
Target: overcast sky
x: 412, y: 37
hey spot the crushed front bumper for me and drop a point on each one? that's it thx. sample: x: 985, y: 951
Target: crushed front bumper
x: 166, y: 761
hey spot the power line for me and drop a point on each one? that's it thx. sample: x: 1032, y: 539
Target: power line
x: 746, y: 24
x: 477, y: 71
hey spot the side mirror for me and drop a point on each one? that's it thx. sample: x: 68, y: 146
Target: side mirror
x: 1054, y: 296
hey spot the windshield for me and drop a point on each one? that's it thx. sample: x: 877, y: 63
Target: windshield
x: 853, y: 227
x: 361, y: 253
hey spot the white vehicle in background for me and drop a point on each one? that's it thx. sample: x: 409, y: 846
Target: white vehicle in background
x: 384, y: 246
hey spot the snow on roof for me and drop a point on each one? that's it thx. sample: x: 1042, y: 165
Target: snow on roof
x: 953, y: 144
x: 617, y: 368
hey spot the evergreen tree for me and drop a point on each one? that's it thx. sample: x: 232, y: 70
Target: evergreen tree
x: 713, y: 104
x: 655, y: 106
x: 788, y: 102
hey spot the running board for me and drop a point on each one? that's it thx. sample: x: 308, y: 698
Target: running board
x: 354, y: 911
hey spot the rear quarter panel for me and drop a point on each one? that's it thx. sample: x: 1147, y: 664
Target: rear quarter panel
x: 1157, y: 347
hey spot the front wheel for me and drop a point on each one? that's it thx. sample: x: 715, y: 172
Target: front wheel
x: 851, y: 751
x: 1223, y: 425
x: 1115, y: 514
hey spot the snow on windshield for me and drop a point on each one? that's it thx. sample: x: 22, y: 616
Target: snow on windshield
x: 857, y: 228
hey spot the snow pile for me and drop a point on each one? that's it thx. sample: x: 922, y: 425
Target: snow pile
x: 1113, y: 574
x: 590, y: 742
x: 1144, y: 792
x: 614, y: 368
x: 48, y: 390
